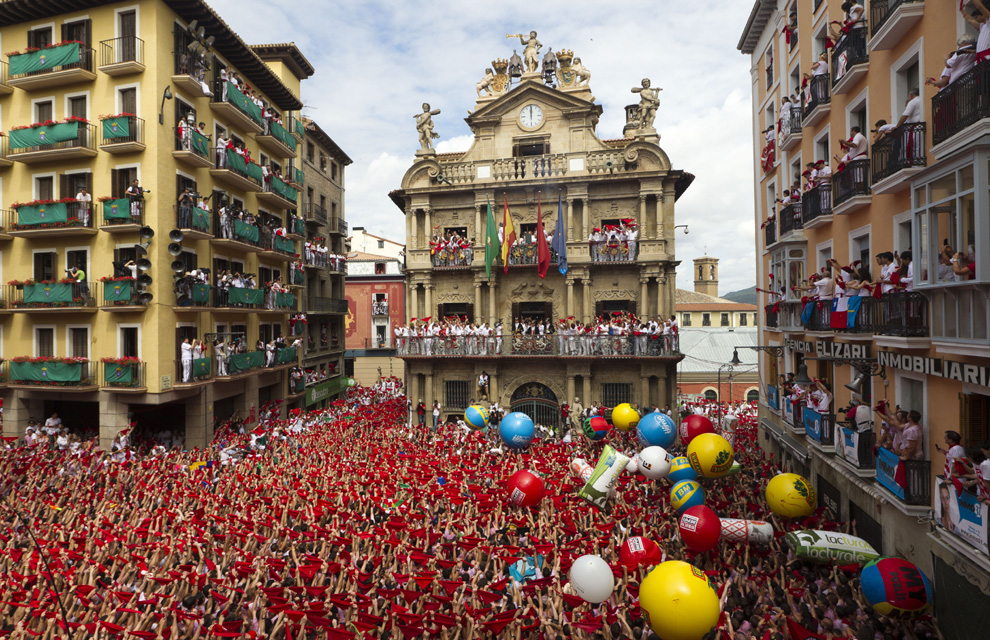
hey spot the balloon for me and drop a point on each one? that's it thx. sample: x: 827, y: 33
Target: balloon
x: 754, y: 531
x: 693, y: 426
x: 790, y: 496
x: 896, y: 587
x: 657, y: 430
x: 679, y: 601
x: 638, y: 551
x: 595, y: 427
x: 624, y: 417
x: 681, y: 469
x: 632, y: 466
x: 581, y: 469
x: 700, y: 528
x: 525, y: 488
x: 686, y: 494
x: 654, y: 463
x: 476, y: 417
x: 710, y: 455
x: 830, y: 546
x: 516, y: 430
x: 601, y: 485
x: 592, y: 579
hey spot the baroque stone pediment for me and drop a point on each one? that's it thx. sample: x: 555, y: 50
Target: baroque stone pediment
x: 492, y: 112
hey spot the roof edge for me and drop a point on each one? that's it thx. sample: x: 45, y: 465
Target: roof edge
x: 747, y: 41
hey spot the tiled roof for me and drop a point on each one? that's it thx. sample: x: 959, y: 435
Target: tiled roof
x: 360, y: 255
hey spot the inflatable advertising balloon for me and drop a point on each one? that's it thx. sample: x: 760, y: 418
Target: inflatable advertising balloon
x: 830, y: 546
x: 603, y: 478
x: 710, y: 455
x: 895, y: 587
x: 693, y: 426
x: 581, y: 469
x: 624, y: 417
x: 476, y: 417
x: 679, y: 601
x: 656, y: 430
x: 681, y: 469
x: 525, y: 488
x: 592, y: 579
x: 791, y: 496
x: 700, y: 528
x: 752, y: 531
x: 640, y: 552
x: 632, y: 467
x: 654, y: 463
x: 686, y: 494
x: 516, y: 430
x: 595, y: 427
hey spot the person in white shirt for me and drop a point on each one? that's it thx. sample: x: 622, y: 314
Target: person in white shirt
x: 187, y: 361
x: 907, y: 272
x: 85, y: 201
x: 979, y: 20
x: 856, y: 146
x: 52, y: 424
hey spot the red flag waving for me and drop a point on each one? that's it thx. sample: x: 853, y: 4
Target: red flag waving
x: 542, y: 250
x: 796, y: 632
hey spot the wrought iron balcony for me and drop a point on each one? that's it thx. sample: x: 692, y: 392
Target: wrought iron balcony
x: 816, y: 206
x: 52, y: 297
x: 53, y: 66
x: 849, y: 60
x: 817, y: 99
x: 123, y: 134
x: 61, y: 141
x: 901, y: 149
x: 791, y: 217
x: 856, y: 447
x: 124, y: 376
x: 820, y: 427
x: 903, y: 314
x: 852, y: 181
x: 53, y: 374
x: 122, y: 56
x: 771, y: 316
x: 557, y: 346
x: 890, y: 20
x: 961, y: 104
x: 770, y: 234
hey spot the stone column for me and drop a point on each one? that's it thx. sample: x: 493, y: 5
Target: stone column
x: 644, y: 224
x: 414, y: 391
x: 492, y: 309
x: 585, y: 219
x: 477, y: 301
x: 411, y: 228
x: 16, y: 412
x: 429, y: 299
x: 570, y: 389
x: 113, y: 418
x: 644, y: 400
x: 570, y: 297
x: 665, y: 212
x: 199, y: 417
x: 586, y: 389
x: 428, y: 227
x: 662, y: 385
x: 428, y: 398
x: 589, y: 310
x: 661, y: 285
x: 570, y: 221
x: 493, y: 385
x: 642, y: 309
x: 413, y: 301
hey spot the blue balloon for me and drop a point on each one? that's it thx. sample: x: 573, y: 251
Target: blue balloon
x: 686, y: 494
x: 476, y: 417
x: 681, y: 469
x: 516, y: 430
x: 656, y: 430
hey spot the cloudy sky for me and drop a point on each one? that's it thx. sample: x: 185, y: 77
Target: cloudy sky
x: 378, y: 61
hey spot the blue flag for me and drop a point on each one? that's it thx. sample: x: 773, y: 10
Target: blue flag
x: 559, y: 243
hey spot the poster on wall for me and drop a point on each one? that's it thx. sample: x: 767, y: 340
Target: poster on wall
x: 961, y: 514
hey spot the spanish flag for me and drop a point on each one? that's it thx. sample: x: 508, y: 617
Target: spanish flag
x: 508, y: 234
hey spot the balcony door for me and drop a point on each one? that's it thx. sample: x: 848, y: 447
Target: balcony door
x: 127, y: 27
x: 80, y: 31
x: 44, y: 266
x: 39, y: 38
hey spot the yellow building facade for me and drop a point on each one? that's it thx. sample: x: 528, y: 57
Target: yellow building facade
x: 919, y: 188
x: 128, y: 73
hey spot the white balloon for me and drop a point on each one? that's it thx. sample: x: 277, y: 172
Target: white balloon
x: 592, y: 579
x: 633, y: 465
x: 654, y: 462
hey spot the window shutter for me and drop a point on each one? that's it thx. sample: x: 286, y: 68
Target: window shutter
x: 65, y: 31
x: 88, y: 26
x: 633, y: 306
x: 115, y: 191
x: 470, y: 312
x: 973, y: 418
x: 440, y: 312
x: 63, y: 187
x: 89, y: 183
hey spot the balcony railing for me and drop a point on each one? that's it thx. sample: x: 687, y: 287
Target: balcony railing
x: 58, y: 215
x: 126, y: 375
x: 316, y: 304
x: 228, y: 227
x: 791, y: 124
x: 193, y: 219
x: 793, y: 413
x: 856, y: 447
x: 54, y: 373
x: 794, y: 39
x: 453, y: 257
x: 50, y: 61
x: 815, y: 203
x: 903, y: 314
x: 194, y: 371
x: 123, y: 131
x: 296, y: 226
x: 817, y: 93
x: 79, y: 136
x: 902, y: 148
x: 852, y: 181
x: 914, y: 487
x: 961, y: 104
x: 773, y: 397
x: 116, y: 53
x: 882, y: 10
x: 663, y: 346
x: 225, y: 93
x: 820, y: 427
x: 316, y: 213
x: 188, y: 139
x: 606, y: 252
x: 529, y: 168
x: 249, y: 172
x: 521, y: 255
x: 120, y: 293
x: 53, y: 295
x: 769, y: 234
x: 771, y: 313
x: 336, y: 225
x: 791, y: 217
x: 848, y: 52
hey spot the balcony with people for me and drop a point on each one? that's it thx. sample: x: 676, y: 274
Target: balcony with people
x: 54, y: 374
x: 121, y: 215
x: 850, y: 56
x: 897, y: 155
x: 72, y: 138
x: 816, y: 206
x: 276, y: 138
x: 55, y: 64
x: 902, y: 472
x: 890, y: 20
x: 230, y: 102
x: 67, y: 295
x: 962, y: 490
x: 791, y: 124
x: 124, y: 375
x: 122, y: 56
x: 817, y: 95
x: 275, y: 192
x: 851, y: 186
x: 856, y: 440
x: 235, y: 168
x: 769, y: 233
x: 234, y: 229
x: 960, y: 109
x: 193, y: 147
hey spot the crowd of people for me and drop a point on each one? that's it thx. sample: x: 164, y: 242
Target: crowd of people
x: 351, y: 522
x: 222, y: 349
x: 451, y: 250
x: 619, y: 334
x: 317, y: 253
x: 614, y: 242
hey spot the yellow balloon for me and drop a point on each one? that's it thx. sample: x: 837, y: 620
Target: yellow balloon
x: 710, y: 455
x: 679, y: 601
x: 791, y: 496
x: 624, y: 417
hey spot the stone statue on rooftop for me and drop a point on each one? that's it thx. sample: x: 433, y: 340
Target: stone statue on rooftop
x: 581, y: 74
x: 486, y: 82
x: 649, y: 101
x: 424, y: 125
x: 531, y: 52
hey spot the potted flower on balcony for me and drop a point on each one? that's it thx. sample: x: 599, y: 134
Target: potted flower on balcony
x: 48, y: 371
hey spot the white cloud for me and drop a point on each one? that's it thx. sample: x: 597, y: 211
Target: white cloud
x: 377, y: 60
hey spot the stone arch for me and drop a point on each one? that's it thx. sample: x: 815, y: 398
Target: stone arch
x: 705, y: 393
x: 750, y: 391
x: 538, y: 401
x: 508, y: 386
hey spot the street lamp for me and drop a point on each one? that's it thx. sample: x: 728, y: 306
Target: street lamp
x: 728, y: 366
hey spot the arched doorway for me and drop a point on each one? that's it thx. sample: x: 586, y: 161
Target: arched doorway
x: 537, y: 401
x: 752, y: 395
x: 711, y: 394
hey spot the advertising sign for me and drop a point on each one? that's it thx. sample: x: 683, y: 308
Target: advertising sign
x: 961, y: 514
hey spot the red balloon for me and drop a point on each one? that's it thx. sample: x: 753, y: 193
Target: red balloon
x: 700, y: 528
x: 525, y: 488
x: 694, y: 425
x: 600, y: 424
x: 639, y: 551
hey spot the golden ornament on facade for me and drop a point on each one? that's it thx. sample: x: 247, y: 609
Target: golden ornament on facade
x: 501, y: 82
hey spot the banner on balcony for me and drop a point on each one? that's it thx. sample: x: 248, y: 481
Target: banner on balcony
x: 241, y: 362
x: 200, y: 293
x: 813, y: 424
x: 121, y: 375
x: 201, y: 219
x: 201, y: 368
x: 117, y: 127
x: 242, y: 102
x: 299, y: 277
x: 117, y: 291
x: 850, y: 445
x: 44, y: 59
x: 119, y: 209
x: 961, y: 514
x: 246, y: 296
x: 279, y: 132
x: 200, y: 144
x: 285, y: 300
x: 283, y: 189
x: 53, y: 372
x: 254, y: 171
x: 286, y: 356
x: 40, y: 136
x: 43, y: 214
x: 245, y: 231
x: 285, y: 245
x: 236, y: 162
x: 887, y: 465
x: 47, y: 294
x: 773, y: 398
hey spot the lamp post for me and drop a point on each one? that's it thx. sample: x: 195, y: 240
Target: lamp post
x: 728, y: 366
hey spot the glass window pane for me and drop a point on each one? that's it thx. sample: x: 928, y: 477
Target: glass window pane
x: 945, y: 237
x: 966, y: 178
x: 979, y: 316
x: 795, y: 278
x: 943, y: 187
x: 967, y: 235
x: 920, y: 256
x: 920, y: 197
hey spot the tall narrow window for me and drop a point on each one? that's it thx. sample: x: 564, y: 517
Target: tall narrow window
x: 129, y: 342
x: 79, y: 342
x: 44, y: 341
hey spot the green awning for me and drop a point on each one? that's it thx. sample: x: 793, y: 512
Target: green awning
x: 325, y: 390
x: 47, y: 294
x: 119, y: 209
x: 242, y: 102
x: 117, y: 127
x: 43, y: 214
x: 246, y: 296
x: 240, y: 362
x: 246, y: 231
x: 117, y: 291
x: 40, y: 136
x: 45, y: 59
x: 45, y: 372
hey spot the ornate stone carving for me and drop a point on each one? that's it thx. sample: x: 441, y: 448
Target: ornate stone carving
x: 451, y: 296
x: 424, y: 126
x: 615, y: 294
x: 507, y: 385
x: 649, y: 101
x: 486, y: 83
x: 500, y: 83
x: 531, y: 52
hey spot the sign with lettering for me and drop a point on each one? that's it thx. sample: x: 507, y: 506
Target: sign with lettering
x: 799, y: 346
x: 887, y: 463
x: 828, y: 349
x: 939, y: 367
x: 849, y: 448
x: 813, y: 424
x: 961, y: 514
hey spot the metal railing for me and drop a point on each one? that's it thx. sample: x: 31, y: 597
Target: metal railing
x: 4, y: 72
x: 791, y: 217
x: 221, y: 162
x: 856, y: 447
x: 882, y: 10
x: 792, y: 123
x: 86, y: 56
x: 198, y: 370
x: 962, y: 103
x: 771, y: 316
x: 55, y: 373
x: 848, y: 52
x: 816, y: 203
x: 903, y: 314
x: 52, y: 295
x: 316, y: 213
x: 221, y: 95
x: 794, y: 39
x: 226, y: 228
x: 77, y: 216
x: 122, y: 49
x: 315, y: 304
x: 135, y: 131
x: 917, y: 474
x: 86, y: 139
x: 119, y: 293
x: 902, y: 148
x: 193, y: 218
x: 817, y: 93
x: 852, y: 181
x: 769, y: 233
x: 820, y: 427
x: 184, y: 142
x: 336, y: 224
x: 128, y: 375
x: 547, y: 345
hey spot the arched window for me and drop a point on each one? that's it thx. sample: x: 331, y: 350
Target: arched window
x: 711, y: 394
x: 752, y: 395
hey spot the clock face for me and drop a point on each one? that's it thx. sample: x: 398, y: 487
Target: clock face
x: 531, y: 116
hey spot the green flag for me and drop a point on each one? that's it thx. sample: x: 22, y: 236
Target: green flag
x: 492, y: 246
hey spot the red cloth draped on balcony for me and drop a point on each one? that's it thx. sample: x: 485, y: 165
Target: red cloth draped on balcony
x: 787, y: 34
x: 767, y: 157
